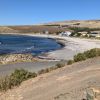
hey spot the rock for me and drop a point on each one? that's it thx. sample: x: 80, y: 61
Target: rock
x: 16, y: 58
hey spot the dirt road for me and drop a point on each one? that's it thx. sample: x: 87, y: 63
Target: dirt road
x: 68, y: 83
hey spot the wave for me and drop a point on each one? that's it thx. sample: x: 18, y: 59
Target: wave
x: 0, y: 42
x: 26, y: 50
x: 30, y: 48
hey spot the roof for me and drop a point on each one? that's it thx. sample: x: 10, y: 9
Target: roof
x: 95, y: 32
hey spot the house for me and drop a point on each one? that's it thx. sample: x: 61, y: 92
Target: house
x: 83, y: 33
x: 66, y: 33
x: 46, y: 32
x: 95, y: 33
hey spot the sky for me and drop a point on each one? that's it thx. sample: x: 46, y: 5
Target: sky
x: 29, y: 12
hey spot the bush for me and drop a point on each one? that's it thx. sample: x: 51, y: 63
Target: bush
x: 59, y: 65
x: 92, y: 53
x: 69, y: 62
x: 15, y: 79
x: 5, y: 83
x: 21, y: 75
x: 87, y: 54
x: 42, y: 71
x: 79, y: 57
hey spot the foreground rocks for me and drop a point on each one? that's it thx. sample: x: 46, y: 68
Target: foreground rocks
x: 11, y: 58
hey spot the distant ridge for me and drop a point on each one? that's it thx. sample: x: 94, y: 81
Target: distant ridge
x: 52, y: 27
x: 78, y: 23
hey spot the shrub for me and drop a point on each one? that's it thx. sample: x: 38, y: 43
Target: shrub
x: 15, y: 79
x: 87, y: 54
x: 79, y: 57
x: 42, y: 71
x: 78, y: 34
x: 21, y: 75
x: 69, y: 62
x: 59, y: 65
x: 5, y: 83
x: 92, y: 53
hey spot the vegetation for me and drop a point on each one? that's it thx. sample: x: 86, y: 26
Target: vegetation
x: 79, y: 57
x: 59, y: 65
x: 85, y: 55
x: 20, y: 75
x: 15, y: 79
x: 77, y: 30
x: 81, y: 29
x: 69, y: 62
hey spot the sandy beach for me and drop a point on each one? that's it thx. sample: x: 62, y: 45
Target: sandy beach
x: 67, y: 83
x: 72, y: 46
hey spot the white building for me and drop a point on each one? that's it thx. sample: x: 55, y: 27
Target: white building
x: 95, y: 34
x: 66, y: 33
x: 84, y: 33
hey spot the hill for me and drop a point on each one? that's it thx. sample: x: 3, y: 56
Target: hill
x: 52, y: 27
x: 68, y: 83
x: 77, y: 23
x: 30, y: 29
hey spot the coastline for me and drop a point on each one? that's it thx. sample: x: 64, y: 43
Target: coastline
x: 71, y: 46
x: 40, y: 56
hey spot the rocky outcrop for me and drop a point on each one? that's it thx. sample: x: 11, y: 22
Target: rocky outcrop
x: 16, y: 58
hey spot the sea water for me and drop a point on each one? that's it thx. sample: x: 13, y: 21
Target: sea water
x: 12, y: 44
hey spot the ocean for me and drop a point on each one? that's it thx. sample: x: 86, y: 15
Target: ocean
x: 15, y: 44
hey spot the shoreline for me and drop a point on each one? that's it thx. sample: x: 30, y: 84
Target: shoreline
x: 41, y: 55
x: 71, y: 46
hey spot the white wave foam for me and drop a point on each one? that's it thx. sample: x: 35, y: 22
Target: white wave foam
x: 0, y: 42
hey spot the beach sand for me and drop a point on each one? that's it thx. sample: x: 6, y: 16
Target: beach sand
x: 72, y: 46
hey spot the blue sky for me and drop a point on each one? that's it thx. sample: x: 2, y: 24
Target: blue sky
x: 25, y: 12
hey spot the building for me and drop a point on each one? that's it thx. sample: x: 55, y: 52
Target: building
x: 46, y: 32
x: 66, y: 33
x: 95, y: 33
x: 84, y: 33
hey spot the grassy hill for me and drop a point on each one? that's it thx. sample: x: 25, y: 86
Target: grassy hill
x: 52, y: 27
x: 30, y: 29
x: 78, y: 23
